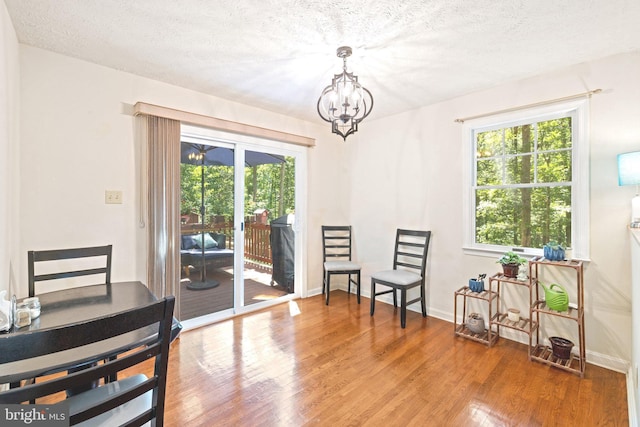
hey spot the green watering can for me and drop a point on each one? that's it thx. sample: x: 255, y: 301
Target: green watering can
x: 556, y: 297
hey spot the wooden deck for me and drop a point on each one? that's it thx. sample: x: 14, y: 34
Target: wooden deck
x: 258, y: 270
x: 201, y: 302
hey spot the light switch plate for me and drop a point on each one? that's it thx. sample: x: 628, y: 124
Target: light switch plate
x: 113, y: 197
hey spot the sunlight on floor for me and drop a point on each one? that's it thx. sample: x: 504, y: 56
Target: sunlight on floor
x: 253, y: 274
x: 294, y: 310
x: 263, y: 297
x: 484, y: 415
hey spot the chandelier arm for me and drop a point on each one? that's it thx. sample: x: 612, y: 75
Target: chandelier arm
x: 324, y: 93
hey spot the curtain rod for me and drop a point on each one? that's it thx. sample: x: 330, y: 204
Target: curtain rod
x: 535, y: 104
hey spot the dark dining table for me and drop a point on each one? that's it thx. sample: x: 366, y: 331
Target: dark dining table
x: 73, y: 305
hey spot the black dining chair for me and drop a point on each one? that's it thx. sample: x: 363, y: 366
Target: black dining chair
x: 409, y: 271
x: 59, y: 264
x: 337, y: 252
x: 135, y: 399
x: 100, y: 264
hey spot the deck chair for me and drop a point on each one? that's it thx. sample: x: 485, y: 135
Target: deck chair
x: 135, y: 399
x: 409, y: 270
x: 336, y: 250
x: 103, y: 265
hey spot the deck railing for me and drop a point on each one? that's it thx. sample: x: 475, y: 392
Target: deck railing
x: 257, y: 244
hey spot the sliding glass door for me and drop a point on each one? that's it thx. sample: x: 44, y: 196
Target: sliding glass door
x: 269, y: 218
x: 207, y: 209
x: 238, y: 231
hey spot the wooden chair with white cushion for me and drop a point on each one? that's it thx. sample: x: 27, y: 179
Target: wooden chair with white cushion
x: 336, y: 250
x: 409, y: 271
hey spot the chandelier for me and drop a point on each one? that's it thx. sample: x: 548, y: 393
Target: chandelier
x: 344, y: 103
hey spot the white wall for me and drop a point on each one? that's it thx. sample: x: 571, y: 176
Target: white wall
x: 9, y: 149
x: 406, y: 172
x: 78, y: 141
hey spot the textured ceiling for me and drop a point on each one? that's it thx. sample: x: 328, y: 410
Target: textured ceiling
x: 280, y: 54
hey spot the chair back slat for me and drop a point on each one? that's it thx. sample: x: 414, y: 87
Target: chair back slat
x: 411, y: 250
x: 151, y: 323
x: 102, y: 255
x: 336, y: 242
x: 407, y: 265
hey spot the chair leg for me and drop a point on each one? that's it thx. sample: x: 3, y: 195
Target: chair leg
x: 373, y: 297
x: 423, y: 300
x: 395, y: 298
x: 324, y: 280
x: 358, y: 286
x: 403, y: 307
x: 328, y: 288
x: 349, y: 284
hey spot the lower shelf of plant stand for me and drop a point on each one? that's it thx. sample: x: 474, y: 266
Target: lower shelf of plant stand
x: 524, y: 324
x: 463, y: 331
x: 544, y: 354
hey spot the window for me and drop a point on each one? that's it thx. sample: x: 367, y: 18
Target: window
x: 527, y: 180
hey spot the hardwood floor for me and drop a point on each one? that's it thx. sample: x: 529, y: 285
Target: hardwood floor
x: 335, y: 365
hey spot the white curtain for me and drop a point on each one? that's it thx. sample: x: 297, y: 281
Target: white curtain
x: 163, y: 213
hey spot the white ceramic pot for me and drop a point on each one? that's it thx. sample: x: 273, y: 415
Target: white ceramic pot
x: 513, y: 314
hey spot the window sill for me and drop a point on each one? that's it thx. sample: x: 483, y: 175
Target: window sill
x: 497, y: 253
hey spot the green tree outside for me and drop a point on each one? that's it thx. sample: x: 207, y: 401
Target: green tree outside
x: 523, y: 184
x: 268, y: 186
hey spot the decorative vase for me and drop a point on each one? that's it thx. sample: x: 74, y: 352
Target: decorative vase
x: 475, y: 323
x: 476, y: 285
x: 553, y: 253
x: 561, y: 347
x: 510, y: 270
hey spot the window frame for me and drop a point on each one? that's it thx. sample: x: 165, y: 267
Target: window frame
x: 578, y: 111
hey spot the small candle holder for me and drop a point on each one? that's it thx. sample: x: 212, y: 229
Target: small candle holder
x: 33, y: 304
x: 22, y: 316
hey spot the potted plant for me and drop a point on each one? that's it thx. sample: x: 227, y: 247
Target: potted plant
x: 553, y: 251
x: 511, y: 263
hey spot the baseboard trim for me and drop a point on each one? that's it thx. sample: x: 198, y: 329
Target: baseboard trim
x: 316, y: 291
x: 608, y: 362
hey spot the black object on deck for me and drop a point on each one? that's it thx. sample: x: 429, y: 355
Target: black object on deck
x: 283, y: 252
